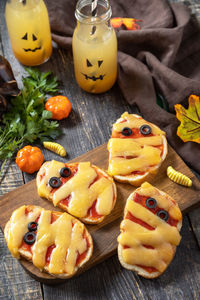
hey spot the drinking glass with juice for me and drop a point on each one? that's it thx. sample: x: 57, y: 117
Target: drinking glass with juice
x: 94, y: 48
x: 29, y: 31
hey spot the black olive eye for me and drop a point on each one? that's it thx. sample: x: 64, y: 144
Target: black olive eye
x: 29, y: 238
x: 32, y: 226
x: 145, y: 129
x: 25, y: 37
x: 163, y: 214
x: 65, y: 172
x: 88, y: 63
x: 34, y: 37
x: 126, y: 131
x: 151, y: 203
x: 54, y: 182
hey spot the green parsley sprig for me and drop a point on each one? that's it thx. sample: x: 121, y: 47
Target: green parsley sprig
x: 27, y: 121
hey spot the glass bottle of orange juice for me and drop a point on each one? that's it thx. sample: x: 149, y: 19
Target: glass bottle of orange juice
x: 29, y: 31
x: 94, y: 47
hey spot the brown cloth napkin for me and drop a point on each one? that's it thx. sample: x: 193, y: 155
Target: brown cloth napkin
x: 163, y: 57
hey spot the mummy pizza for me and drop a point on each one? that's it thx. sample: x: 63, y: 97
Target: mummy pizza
x: 55, y: 242
x: 83, y: 190
x: 136, y: 149
x: 149, y: 231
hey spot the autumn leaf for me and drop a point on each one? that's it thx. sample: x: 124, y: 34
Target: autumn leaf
x: 129, y: 23
x: 189, y: 129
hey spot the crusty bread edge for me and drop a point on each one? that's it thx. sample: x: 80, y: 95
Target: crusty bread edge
x: 139, y: 270
x: 137, y: 180
x: 63, y: 207
x: 26, y: 254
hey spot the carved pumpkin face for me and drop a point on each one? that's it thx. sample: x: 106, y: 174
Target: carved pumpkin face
x: 94, y: 70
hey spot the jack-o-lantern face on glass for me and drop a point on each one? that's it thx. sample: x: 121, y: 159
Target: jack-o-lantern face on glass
x: 30, y: 38
x: 95, y: 74
x: 92, y: 71
x: 94, y: 47
x: 33, y: 40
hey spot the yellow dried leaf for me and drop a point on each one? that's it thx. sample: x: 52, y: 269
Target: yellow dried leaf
x: 189, y: 129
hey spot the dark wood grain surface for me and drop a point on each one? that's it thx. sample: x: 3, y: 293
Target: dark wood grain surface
x: 89, y: 126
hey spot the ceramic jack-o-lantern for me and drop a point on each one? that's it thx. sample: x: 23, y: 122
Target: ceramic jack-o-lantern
x: 29, y: 31
x: 94, y: 48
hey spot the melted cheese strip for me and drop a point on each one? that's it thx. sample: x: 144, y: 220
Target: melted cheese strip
x: 149, y: 257
x: 17, y: 227
x: 52, y: 169
x: 174, y: 211
x: 163, y: 238
x: 135, y: 122
x: 68, y: 240
x: 144, y: 158
x: 83, y: 196
x: 142, y: 149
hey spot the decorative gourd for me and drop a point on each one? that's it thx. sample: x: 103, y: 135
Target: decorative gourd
x: 178, y: 177
x: 55, y: 147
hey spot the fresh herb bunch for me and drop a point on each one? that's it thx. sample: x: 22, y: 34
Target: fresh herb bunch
x: 27, y: 120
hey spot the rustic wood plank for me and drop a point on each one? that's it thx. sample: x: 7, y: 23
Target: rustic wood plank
x: 14, y: 282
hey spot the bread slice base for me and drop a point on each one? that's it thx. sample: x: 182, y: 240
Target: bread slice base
x: 139, y: 270
x: 137, y: 180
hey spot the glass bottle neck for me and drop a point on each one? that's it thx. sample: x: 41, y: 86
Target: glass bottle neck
x: 83, y: 12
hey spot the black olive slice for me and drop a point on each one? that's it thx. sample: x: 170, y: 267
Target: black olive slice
x: 30, y: 238
x: 32, y: 226
x: 65, y: 172
x: 126, y: 131
x: 163, y: 214
x: 145, y: 129
x: 151, y: 203
x: 54, y: 182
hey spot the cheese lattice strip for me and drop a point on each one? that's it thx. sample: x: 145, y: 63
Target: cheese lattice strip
x: 142, y: 158
x: 18, y: 227
x: 68, y: 239
x: 135, y: 122
x: 51, y: 170
x: 143, y: 151
x: 82, y: 195
x: 163, y: 238
x: 147, y: 189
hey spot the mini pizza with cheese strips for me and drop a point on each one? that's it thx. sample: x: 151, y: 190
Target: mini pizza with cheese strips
x: 55, y: 242
x: 149, y: 231
x: 136, y: 149
x: 82, y: 189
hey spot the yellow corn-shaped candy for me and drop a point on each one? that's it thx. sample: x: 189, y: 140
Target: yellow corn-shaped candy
x: 55, y: 147
x: 178, y: 177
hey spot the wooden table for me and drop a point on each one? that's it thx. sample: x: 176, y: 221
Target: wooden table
x: 89, y: 126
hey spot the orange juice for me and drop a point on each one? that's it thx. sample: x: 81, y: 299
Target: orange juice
x: 29, y: 31
x: 94, y: 46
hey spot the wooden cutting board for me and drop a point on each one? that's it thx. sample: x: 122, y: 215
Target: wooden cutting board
x: 104, y: 234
